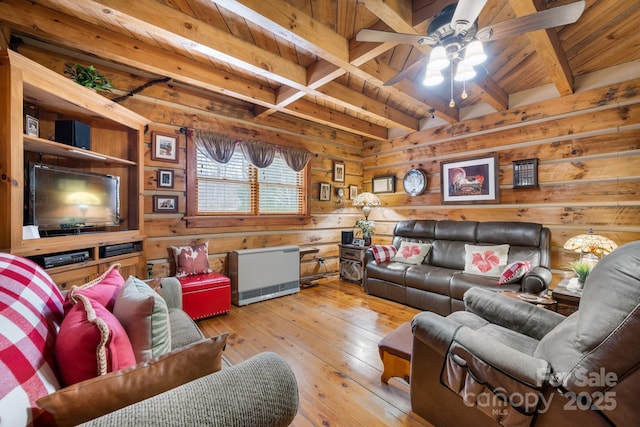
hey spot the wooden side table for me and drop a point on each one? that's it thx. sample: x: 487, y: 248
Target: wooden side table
x: 568, y: 300
x: 352, y: 262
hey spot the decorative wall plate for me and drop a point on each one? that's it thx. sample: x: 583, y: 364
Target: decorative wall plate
x: 415, y: 182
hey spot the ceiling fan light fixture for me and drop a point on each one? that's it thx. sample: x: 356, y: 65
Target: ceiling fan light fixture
x: 464, y: 72
x: 474, y: 53
x: 439, y: 59
x: 433, y: 76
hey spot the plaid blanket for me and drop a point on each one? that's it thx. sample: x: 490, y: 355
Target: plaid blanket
x: 30, y: 316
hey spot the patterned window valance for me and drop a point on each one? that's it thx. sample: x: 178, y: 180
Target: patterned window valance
x: 220, y: 148
x: 215, y: 146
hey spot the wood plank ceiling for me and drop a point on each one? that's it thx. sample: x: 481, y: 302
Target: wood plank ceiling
x: 300, y: 57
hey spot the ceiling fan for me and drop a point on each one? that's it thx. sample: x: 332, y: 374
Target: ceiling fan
x: 454, y: 34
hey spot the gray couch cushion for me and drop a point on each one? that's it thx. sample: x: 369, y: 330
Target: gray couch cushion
x: 183, y: 330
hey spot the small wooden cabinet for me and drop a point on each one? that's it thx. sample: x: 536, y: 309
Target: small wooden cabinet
x: 352, y: 263
x: 568, y: 300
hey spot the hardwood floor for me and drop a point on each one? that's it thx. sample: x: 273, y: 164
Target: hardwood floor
x: 329, y: 335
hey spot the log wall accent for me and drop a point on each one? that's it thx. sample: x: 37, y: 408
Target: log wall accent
x: 587, y: 144
x: 588, y: 148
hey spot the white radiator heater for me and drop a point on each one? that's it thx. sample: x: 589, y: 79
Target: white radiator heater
x: 260, y: 274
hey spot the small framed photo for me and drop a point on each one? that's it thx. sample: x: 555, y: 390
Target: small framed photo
x: 338, y: 171
x: 353, y: 192
x: 31, y: 125
x: 358, y: 242
x: 325, y: 191
x: 165, y: 204
x: 164, y: 147
x: 525, y: 173
x: 384, y: 184
x: 165, y: 178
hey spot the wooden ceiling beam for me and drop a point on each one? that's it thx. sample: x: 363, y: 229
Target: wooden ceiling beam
x: 546, y: 43
x: 305, y: 109
x: 196, y: 35
x: 74, y: 33
x: 287, y: 22
x: 294, y: 27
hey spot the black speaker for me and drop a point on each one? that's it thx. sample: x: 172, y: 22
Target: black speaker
x: 347, y: 237
x: 73, y: 133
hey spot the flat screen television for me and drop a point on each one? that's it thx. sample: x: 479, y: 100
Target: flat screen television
x: 70, y: 200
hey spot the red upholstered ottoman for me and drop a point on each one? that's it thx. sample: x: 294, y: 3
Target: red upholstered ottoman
x: 206, y: 295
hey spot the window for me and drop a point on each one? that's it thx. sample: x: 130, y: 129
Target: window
x: 239, y: 188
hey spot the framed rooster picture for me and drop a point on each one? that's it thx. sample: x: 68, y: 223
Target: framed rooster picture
x: 471, y: 180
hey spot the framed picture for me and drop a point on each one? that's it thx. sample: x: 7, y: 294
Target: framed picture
x: 325, y: 191
x: 164, y: 147
x: 165, y: 204
x: 31, y: 125
x: 525, y: 173
x: 165, y: 178
x: 338, y: 171
x: 358, y: 242
x: 472, y: 180
x: 384, y: 184
x: 353, y: 192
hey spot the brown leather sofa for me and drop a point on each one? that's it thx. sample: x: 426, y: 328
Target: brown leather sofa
x: 439, y: 283
x: 504, y: 362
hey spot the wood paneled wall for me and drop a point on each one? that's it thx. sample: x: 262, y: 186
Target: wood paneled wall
x: 587, y: 144
x: 171, y: 106
x: 588, y: 147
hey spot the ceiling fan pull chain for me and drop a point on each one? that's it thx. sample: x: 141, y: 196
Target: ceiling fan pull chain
x: 452, y: 103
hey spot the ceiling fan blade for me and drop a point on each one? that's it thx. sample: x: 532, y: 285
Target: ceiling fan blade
x: 367, y: 35
x: 561, y: 15
x: 465, y: 15
x: 406, y: 72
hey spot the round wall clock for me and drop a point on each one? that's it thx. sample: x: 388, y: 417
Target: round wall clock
x: 415, y: 182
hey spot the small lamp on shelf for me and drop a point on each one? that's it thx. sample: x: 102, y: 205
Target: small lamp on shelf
x: 591, y: 246
x: 366, y: 200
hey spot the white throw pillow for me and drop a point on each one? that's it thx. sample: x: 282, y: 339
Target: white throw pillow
x: 485, y: 260
x: 412, y: 252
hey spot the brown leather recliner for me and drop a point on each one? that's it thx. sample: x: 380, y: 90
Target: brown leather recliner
x: 506, y: 362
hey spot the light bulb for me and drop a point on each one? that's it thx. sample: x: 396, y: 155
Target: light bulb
x: 474, y: 54
x: 464, y: 72
x: 432, y: 77
x: 438, y: 59
x: 452, y: 103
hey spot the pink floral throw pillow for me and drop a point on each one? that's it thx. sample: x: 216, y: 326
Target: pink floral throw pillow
x: 485, y: 260
x: 412, y: 252
x: 191, y: 260
x: 514, y: 272
x: 383, y: 253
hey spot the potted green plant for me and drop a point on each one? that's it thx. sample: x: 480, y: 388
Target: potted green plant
x: 88, y: 77
x: 367, y: 228
x: 582, y: 270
